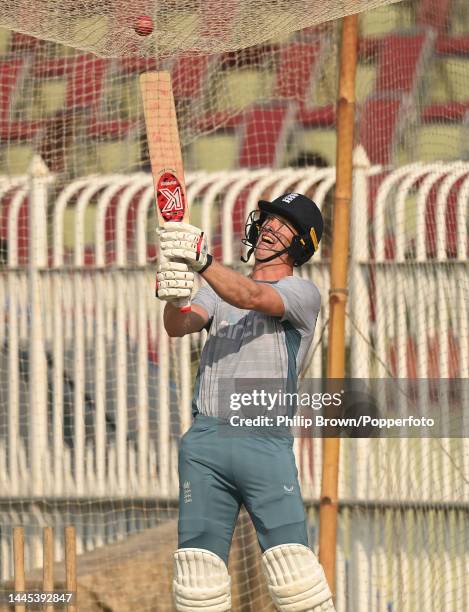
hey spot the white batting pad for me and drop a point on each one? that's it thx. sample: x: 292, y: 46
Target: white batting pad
x: 296, y: 579
x: 201, y: 581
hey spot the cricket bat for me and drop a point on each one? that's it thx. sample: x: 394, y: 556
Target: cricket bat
x: 165, y: 153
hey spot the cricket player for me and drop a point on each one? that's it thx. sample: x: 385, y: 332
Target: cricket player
x: 259, y: 326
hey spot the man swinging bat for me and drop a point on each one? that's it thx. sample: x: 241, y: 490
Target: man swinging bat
x: 261, y: 327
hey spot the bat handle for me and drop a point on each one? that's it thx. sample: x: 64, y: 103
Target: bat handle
x: 184, y: 304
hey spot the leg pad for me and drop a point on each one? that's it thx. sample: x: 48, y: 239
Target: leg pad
x: 201, y: 581
x: 296, y: 580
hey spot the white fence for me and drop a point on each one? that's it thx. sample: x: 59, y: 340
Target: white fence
x: 94, y: 395
x: 92, y: 406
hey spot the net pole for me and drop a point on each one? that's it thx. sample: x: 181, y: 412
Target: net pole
x: 338, y: 293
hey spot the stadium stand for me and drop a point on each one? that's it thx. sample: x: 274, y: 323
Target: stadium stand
x: 433, y: 64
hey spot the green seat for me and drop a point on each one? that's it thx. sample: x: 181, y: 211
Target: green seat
x: 237, y: 89
x: 447, y: 80
x: 385, y: 19
x: 117, y: 156
x: 49, y: 98
x: 365, y: 81
x: 214, y: 152
x: 16, y: 158
x: 459, y: 18
x: 320, y: 141
x: 122, y: 95
x: 440, y: 142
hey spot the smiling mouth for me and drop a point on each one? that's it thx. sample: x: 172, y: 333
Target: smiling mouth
x: 268, y: 239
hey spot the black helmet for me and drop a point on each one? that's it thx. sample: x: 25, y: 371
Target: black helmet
x: 302, y: 213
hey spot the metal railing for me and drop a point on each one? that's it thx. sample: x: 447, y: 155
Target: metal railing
x: 92, y: 403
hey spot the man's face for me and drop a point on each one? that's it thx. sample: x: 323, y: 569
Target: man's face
x: 276, y: 234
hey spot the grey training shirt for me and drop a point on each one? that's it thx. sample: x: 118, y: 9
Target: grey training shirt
x: 245, y: 344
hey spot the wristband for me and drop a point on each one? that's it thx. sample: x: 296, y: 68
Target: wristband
x: 208, y: 262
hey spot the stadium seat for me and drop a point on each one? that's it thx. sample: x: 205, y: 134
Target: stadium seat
x: 188, y: 75
x: 136, y: 65
x: 237, y: 89
x: 447, y: 81
x: 263, y: 135
x: 23, y: 44
x: 215, y: 152
x: 296, y: 66
x: 323, y: 116
x: 402, y: 61
x: 118, y: 155
x: 364, y: 81
x: 379, y: 120
x: 433, y: 14
x: 83, y: 76
x: 16, y: 158
x: 319, y: 141
x: 257, y: 138
x: 122, y: 98
x: 11, y: 73
x: 440, y: 141
x: 383, y: 20
x: 18, y: 136
x: 450, y: 112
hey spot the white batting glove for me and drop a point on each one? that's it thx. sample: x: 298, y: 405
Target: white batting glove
x: 185, y: 242
x: 174, y: 281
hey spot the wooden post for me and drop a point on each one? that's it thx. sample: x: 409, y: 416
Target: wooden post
x: 48, y: 564
x: 338, y: 292
x: 18, y: 554
x: 71, y: 564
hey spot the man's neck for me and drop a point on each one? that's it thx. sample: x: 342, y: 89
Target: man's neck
x: 270, y: 271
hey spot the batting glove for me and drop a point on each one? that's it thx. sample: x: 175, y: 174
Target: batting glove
x: 185, y: 242
x: 174, y: 281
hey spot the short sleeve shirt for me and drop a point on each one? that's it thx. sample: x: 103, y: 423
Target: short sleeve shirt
x: 250, y: 344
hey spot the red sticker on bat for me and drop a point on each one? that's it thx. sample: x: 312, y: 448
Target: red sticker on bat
x: 170, y: 197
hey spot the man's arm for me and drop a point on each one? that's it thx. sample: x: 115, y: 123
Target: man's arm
x: 178, y: 324
x: 243, y: 292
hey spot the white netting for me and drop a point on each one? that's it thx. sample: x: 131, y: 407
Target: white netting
x: 94, y: 396
x: 108, y: 29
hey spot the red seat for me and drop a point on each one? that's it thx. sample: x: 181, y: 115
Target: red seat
x: 295, y: 69
x: 320, y: 116
x: 227, y: 120
x: 84, y: 74
x: 111, y: 128
x: 10, y: 73
x: 453, y: 45
x: 264, y: 131
x: 433, y: 14
x: 379, y: 118
x: 401, y: 66
x: 21, y: 43
x: 188, y: 75
x: 402, y: 61
x: 445, y: 112
x: 137, y: 65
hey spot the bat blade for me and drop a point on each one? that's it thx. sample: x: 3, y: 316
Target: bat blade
x: 165, y: 151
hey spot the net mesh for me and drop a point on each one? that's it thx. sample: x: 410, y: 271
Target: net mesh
x: 95, y: 396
